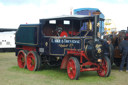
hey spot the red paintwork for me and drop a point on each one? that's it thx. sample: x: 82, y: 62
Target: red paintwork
x: 71, y: 69
x: 21, y: 59
x: 82, y: 55
x: 102, y: 71
x: 73, y: 33
x: 64, y: 33
x: 100, y: 68
x: 28, y: 48
x: 31, y: 61
x: 64, y: 62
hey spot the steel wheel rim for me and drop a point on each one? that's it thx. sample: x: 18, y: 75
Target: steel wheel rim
x: 103, y: 70
x: 71, y: 69
x: 31, y: 62
x: 21, y: 60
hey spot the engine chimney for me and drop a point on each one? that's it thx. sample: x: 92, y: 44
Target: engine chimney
x: 96, y: 27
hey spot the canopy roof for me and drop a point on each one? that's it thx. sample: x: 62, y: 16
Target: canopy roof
x: 85, y: 11
x: 69, y: 17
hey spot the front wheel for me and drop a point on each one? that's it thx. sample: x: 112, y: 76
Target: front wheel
x: 105, y: 67
x: 73, y: 68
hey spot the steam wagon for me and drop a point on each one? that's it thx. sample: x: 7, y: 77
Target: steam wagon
x: 69, y: 41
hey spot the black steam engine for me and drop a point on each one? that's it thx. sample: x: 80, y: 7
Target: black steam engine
x: 71, y: 41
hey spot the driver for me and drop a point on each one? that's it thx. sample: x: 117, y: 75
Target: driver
x: 86, y: 26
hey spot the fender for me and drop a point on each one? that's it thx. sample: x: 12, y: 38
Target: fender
x: 64, y: 62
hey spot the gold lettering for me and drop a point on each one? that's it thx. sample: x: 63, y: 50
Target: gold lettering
x: 63, y: 45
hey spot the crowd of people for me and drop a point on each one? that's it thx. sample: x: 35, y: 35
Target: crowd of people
x: 120, y: 42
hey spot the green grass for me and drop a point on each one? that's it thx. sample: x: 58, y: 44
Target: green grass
x: 11, y: 74
x: 51, y: 72
x: 57, y: 74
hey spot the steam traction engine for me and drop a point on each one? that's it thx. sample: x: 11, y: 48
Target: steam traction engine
x: 68, y: 41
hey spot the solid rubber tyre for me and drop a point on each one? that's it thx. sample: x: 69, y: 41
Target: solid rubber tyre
x: 33, y: 61
x: 73, y: 68
x: 105, y: 67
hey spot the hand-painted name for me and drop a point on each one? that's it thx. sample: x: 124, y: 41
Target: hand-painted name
x: 65, y: 41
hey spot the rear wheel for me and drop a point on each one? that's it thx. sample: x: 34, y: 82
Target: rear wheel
x: 22, y: 54
x: 73, y: 68
x: 105, y: 67
x: 111, y: 53
x: 33, y: 61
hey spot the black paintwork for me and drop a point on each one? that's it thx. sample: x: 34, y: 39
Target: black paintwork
x: 38, y: 35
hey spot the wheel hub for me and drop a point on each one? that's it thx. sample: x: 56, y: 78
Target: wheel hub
x: 22, y: 59
x: 70, y: 68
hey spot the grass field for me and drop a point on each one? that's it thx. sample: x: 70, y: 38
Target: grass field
x: 11, y: 74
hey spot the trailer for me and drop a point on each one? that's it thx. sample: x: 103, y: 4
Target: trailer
x: 7, y: 41
x: 71, y: 42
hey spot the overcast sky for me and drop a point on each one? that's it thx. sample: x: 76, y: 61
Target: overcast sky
x: 16, y: 12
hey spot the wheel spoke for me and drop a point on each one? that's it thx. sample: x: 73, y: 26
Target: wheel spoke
x: 104, y: 68
x: 31, y: 61
x: 103, y: 73
x: 70, y: 63
x: 74, y: 72
x: 21, y: 59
